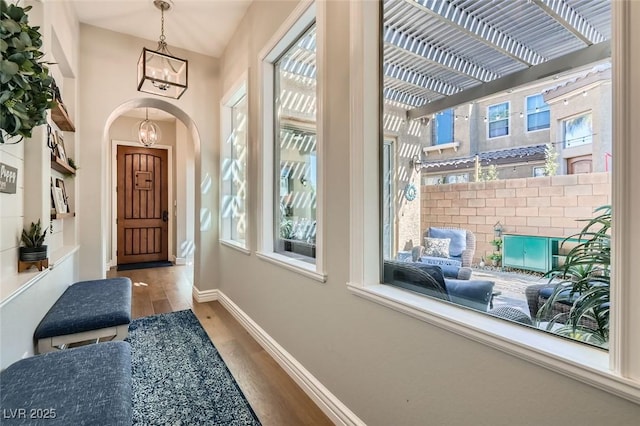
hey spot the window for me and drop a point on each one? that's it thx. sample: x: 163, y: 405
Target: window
x: 296, y: 148
x: 458, y: 178
x: 290, y: 224
x: 538, y: 114
x: 577, y: 131
x: 443, y: 127
x: 539, y: 171
x: 616, y: 373
x: 499, y: 120
x: 233, y: 193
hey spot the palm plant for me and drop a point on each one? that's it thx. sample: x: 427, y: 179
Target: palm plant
x: 583, y: 282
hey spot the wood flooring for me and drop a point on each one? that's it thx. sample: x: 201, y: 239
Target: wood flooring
x: 276, y: 399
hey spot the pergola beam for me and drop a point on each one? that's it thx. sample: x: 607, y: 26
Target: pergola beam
x: 419, y: 80
x: 479, y: 30
x: 395, y: 95
x: 579, y: 58
x: 436, y: 55
x: 571, y: 20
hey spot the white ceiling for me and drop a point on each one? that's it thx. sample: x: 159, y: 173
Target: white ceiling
x: 203, y: 26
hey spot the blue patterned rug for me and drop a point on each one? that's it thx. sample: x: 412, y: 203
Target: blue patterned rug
x: 179, y: 377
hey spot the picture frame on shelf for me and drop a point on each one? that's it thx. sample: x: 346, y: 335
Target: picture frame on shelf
x: 51, y: 141
x: 53, y: 209
x: 60, y: 184
x: 59, y: 147
x: 58, y: 198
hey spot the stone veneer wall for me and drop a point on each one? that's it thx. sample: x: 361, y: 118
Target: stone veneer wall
x: 546, y: 206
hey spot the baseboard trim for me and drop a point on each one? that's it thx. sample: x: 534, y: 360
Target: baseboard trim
x: 324, y: 399
x: 202, y: 296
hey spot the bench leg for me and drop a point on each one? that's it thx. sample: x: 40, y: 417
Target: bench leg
x: 50, y: 344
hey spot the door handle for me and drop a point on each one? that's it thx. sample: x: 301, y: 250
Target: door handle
x: 165, y: 216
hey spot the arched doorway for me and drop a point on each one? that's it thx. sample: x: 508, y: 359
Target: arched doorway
x: 183, y: 161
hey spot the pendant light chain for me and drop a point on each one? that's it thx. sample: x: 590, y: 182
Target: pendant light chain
x: 162, y: 37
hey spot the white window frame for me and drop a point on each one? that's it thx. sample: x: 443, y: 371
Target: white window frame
x: 508, y: 120
x: 618, y: 371
x: 227, y: 104
x: 296, y: 24
x: 527, y: 112
x: 563, y: 128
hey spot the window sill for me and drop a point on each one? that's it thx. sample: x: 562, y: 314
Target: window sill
x: 441, y: 147
x: 580, y: 362
x: 295, y: 265
x: 236, y: 246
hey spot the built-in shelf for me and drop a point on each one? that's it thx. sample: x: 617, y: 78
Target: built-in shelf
x: 61, y: 166
x: 62, y: 215
x: 60, y: 116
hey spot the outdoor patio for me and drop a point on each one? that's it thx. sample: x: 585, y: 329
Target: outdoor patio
x: 510, y: 284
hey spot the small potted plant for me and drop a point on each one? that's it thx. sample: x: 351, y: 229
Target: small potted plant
x: 495, y: 259
x: 33, y: 249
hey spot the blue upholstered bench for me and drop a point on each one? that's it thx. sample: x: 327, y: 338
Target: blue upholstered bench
x: 89, y: 385
x: 87, y: 310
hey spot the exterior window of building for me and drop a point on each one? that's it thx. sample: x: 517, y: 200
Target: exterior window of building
x: 577, y: 131
x: 295, y: 149
x: 458, y: 178
x: 443, y: 127
x: 538, y: 115
x: 234, y: 167
x: 498, y: 120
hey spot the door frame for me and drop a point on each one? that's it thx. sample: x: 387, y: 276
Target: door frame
x: 114, y: 196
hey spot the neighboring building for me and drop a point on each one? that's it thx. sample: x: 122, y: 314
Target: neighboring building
x: 511, y: 130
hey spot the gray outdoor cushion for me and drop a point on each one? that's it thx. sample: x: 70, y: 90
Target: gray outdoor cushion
x: 90, y: 385
x: 86, y: 306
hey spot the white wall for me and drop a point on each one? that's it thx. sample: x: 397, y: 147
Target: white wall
x: 388, y: 368
x: 108, y: 66
x: 185, y: 196
x: 25, y: 297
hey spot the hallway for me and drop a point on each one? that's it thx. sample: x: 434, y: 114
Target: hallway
x: 274, y: 396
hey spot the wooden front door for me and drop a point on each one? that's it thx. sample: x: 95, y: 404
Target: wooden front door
x: 143, y: 215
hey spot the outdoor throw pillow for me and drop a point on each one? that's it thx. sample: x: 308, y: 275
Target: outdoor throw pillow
x: 458, y: 238
x: 436, y: 247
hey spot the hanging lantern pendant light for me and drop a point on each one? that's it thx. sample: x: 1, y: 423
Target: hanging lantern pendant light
x: 159, y: 72
x: 148, y: 132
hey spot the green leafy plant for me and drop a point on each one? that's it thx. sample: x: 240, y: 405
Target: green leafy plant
x: 550, y: 160
x: 488, y: 174
x: 497, y: 243
x: 72, y: 163
x: 583, y: 281
x: 35, y: 236
x: 286, y: 224
x: 26, y: 92
x: 495, y: 258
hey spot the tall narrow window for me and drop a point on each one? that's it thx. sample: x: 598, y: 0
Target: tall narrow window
x: 295, y: 149
x: 234, y: 168
x: 499, y: 120
x: 538, y: 114
x: 443, y: 127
